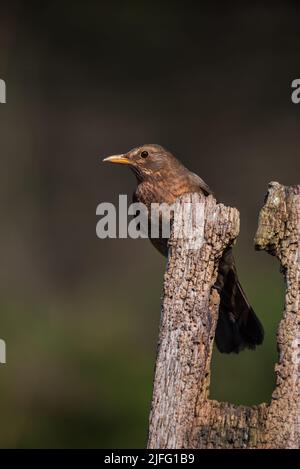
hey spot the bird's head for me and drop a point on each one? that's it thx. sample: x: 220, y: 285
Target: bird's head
x: 147, y: 161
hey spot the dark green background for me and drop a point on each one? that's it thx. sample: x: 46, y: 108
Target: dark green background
x: 86, y: 79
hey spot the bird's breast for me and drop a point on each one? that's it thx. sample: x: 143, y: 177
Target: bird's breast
x: 157, y: 193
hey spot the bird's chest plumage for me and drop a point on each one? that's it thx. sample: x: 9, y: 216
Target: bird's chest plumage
x: 159, y: 192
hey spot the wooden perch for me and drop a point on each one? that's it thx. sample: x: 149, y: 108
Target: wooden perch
x: 182, y: 415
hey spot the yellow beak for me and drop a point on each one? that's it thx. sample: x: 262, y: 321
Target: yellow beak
x: 119, y: 159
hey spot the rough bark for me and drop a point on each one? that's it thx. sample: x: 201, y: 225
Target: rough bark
x: 182, y: 415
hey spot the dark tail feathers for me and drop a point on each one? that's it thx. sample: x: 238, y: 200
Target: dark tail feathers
x: 238, y: 326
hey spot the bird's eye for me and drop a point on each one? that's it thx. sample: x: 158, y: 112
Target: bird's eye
x: 144, y: 154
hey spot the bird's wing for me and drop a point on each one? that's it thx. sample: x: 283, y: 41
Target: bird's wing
x: 197, y: 181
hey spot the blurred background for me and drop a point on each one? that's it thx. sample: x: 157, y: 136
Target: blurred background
x: 84, y: 80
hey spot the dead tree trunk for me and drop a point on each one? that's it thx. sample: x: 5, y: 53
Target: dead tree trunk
x: 182, y: 415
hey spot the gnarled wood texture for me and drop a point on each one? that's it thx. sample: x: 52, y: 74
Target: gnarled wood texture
x: 182, y: 415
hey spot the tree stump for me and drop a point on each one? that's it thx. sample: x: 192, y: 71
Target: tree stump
x: 182, y: 415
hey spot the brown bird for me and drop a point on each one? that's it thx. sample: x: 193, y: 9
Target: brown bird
x: 162, y: 178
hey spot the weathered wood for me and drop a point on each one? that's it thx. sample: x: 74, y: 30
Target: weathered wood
x: 182, y: 416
